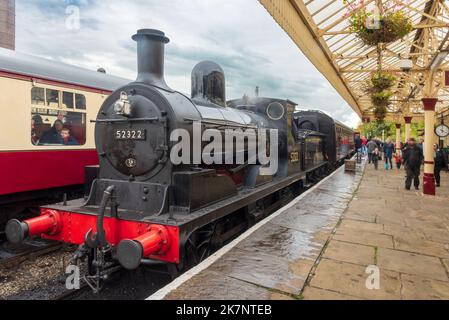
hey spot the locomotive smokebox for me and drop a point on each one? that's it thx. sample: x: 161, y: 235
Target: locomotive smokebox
x: 150, y: 57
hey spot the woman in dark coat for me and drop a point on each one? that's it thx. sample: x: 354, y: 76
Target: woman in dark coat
x: 440, y: 163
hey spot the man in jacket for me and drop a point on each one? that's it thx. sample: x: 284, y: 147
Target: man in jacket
x: 388, y: 150
x: 440, y: 163
x: 413, y: 158
x: 371, y: 146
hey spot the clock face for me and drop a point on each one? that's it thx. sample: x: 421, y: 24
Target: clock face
x: 442, y: 131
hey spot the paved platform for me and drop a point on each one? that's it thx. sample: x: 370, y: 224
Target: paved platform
x: 319, y: 247
x: 404, y: 233
x: 272, y: 260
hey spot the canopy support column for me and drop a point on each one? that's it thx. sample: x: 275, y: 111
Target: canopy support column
x: 429, y: 164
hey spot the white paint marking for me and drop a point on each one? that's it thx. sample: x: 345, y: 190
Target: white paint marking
x: 163, y: 292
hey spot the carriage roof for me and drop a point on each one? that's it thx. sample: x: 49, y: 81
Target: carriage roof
x: 28, y: 65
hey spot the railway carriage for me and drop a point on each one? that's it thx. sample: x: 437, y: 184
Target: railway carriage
x: 35, y: 93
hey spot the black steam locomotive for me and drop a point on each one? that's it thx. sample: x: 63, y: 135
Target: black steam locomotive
x: 144, y: 207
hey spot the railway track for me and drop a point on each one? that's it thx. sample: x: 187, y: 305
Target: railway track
x: 13, y: 255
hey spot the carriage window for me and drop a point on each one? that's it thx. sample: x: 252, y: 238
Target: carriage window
x: 38, y: 96
x: 57, y: 127
x: 80, y: 101
x: 67, y: 100
x: 52, y: 98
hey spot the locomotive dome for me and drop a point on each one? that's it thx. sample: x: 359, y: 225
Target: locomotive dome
x: 208, y: 84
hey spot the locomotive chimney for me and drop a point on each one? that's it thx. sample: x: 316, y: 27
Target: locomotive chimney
x: 150, y: 57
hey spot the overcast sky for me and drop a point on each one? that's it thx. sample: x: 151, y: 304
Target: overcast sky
x: 238, y: 34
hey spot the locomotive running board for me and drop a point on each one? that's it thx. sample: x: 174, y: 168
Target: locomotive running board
x: 222, y: 208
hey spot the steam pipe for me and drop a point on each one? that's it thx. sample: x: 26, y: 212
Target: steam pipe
x: 104, y: 201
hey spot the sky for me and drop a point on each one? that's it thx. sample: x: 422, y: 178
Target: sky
x: 240, y: 35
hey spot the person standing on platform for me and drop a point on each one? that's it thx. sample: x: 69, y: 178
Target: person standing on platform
x: 440, y: 163
x: 364, y: 142
x: 371, y: 146
x: 388, y: 150
x: 375, y: 158
x: 358, y: 146
x: 413, y: 158
x: 398, y: 159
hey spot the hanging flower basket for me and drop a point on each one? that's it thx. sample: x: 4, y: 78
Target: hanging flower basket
x: 391, y: 26
x: 382, y: 81
x: 380, y: 113
x: 381, y: 99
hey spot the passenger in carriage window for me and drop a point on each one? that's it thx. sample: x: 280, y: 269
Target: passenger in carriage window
x: 53, y: 136
x: 67, y: 138
x: 35, y: 120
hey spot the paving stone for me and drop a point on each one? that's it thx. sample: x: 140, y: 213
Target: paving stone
x: 412, y: 242
x: 282, y: 242
x: 419, y: 288
x: 395, y: 230
x: 446, y: 265
x: 361, y: 226
x: 350, y: 279
x: 366, y: 238
x: 411, y: 263
x: 349, y: 252
x: 264, y: 270
x: 220, y: 287
x: 312, y: 293
x: 360, y: 216
x: 309, y: 223
x: 437, y: 234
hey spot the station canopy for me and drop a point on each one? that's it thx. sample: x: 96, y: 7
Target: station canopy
x: 322, y: 30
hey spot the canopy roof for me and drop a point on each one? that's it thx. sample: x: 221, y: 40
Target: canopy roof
x: 321, y: 30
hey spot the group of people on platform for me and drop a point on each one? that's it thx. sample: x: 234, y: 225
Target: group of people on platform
x: 410, y: 155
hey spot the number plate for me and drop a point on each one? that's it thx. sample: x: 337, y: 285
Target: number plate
x: 131, y: 134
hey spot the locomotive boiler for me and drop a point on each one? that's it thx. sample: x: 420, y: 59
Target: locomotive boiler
x: 145, y: 207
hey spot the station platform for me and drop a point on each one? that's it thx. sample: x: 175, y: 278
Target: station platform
x: 320, y: 246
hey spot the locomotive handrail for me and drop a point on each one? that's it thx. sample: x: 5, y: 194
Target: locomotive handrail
x: 223, y: 124
x: 124, y: 120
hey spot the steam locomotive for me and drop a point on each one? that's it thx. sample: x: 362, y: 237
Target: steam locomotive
x: 144, y: 207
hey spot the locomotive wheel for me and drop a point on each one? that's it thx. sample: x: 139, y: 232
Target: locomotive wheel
x: 200, y: 244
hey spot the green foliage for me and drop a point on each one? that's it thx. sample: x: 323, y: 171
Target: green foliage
x: 375, y: 129
x: 393, y: 26
x: 380, y: 112
x: 380, y: 101
x: 382, y: 80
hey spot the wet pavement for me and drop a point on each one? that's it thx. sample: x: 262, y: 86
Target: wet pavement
x: 403, y: 234
x: 275, y: 261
